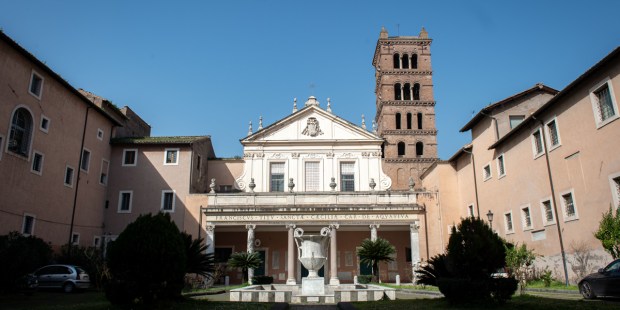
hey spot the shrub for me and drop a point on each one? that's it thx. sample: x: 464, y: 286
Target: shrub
x: 434, y: 269
x: 198, y: 261
x: 262, y: 280
x: 609, y: 232
x: 518, y: 260
x: 372, y: 253
x: 503, y: 288
x: 20, y: 255
x: 547, y: 277
x: 245, y: 261
x: 364, y: 278
x: 461, y: 290
x: 146, y: 262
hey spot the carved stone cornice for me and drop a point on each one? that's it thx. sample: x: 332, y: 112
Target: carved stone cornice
x: 410, y: 132
x: 405, y: 72
x: 406, y: 102
x: 411, y: 160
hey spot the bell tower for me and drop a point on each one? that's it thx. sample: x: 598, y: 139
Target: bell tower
x: 405, y: 106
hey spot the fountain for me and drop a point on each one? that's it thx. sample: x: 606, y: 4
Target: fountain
x: 312, y: 251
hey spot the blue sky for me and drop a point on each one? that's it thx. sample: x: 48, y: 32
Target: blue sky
x: 209, y: 67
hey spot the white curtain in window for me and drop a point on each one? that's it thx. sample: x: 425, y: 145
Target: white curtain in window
x: 312, y: 175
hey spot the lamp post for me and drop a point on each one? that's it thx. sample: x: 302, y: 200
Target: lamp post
x: 490, y: 217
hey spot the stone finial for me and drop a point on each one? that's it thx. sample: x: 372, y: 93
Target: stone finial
x: 363, y: 122
x: 372, y: 184
x: 291, y: 185
x: 312, y: 101
x: 329, y: 105
x: 411, y: 183
x: 383, y: 34
x: 260, y: 123
x: 374, y: 127
x: 294, y: 105
x: 423, y: 34
x: 252, y: 185
x: 212, y: 186
x: 332, y: 184
x: 250, y: 128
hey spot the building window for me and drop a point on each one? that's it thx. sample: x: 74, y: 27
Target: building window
x: 21, y: 132
x: 419, y: 149
x: 276, y: 177
x: 537, y: 144
x: 69, y: 176
x: 125, y: 201
x: 28, y: 225
x: 36, y: 85
x: 347, y: 176
x: 614, y: 182
x: 547, y: 212
x: 397, y: 92
x: 419, y: 120
x: 100, y: 134
x: 407, y: 91
x: 172, y: 157
x: 409, y: 121
x: 470, y: 210
x: 416, y: 91
x: 501, y: 170
x: 508, y: 222
x: 515, y: 120
x: 401, y: 148
x: 604, y: 103
x: 486, y: 172
x: 96, y: 241
x: 414, y: 61
x: 198, y: 162
x: 396, y: 61
x: 85, y: 160
x: 130, y: 157
x: 527, y: 218
x: 405, y: 61
x: 312, y: 176
x: 568, y: 204
x: 554, y: 134
x: 167, y: 201
x: 397, y: 119
x: 105, y: 167
x: 45, y: 124
x: 37, y: 163
x: 75, y: 238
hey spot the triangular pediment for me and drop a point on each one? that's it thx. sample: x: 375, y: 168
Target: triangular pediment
x: 311, y: 125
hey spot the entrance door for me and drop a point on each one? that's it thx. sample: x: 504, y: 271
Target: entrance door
x: 365, y: 269
x: 260, y: 271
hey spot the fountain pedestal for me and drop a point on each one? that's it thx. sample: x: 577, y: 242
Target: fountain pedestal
x: 312, y: 251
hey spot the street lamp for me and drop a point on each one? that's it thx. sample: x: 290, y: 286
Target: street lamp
x: 490, y: 217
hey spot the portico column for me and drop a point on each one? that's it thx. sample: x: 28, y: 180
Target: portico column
x: 250, y: 246
x: 333, y: 252
x: 415, y: 249
x: 210, y: 241
x: 373, y: 232
x: 291, y: 255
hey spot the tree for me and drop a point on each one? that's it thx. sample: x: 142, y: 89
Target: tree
x: 147, y: 261
x: 518, y: 260
x: 198, y: 261
x: 245, y: 261
x: 372, y: 253
x: 20, y: 255
x: 609, y: 232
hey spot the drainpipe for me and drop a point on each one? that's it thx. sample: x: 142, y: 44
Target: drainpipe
x: 77, y: 183
x: 473, y: 163
x: 555, y: 206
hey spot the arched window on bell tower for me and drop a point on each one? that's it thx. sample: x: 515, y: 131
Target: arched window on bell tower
x: 416, y: 91
x: 414, y: 61
x: 419, y: 149
x: 407, y: 91
x: 401, y: 149
x: 408, y: 120
x: 405, y: 61
x: 397, y: 120
x: 419, y: 120
x: 397, y: 92
x: 396, y: 61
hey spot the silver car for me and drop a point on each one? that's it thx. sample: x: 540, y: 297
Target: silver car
x: 66, y: 277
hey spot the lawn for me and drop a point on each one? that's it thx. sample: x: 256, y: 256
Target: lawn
x: 555, y: 285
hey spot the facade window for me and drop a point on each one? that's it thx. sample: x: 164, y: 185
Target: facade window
x: 604, y: 103
x: 568, y: 204
x: 21, y: 132
x: 85, y: 160
x: 470, y: 210
x: 28, y: 225
x: 537, y: 144
x: 347, y: 176
x: 486, y: 172
x: 508, y: 222
x: 515, y: 120
x: 547, y: 210
x: 409, y: 121
x: 419, y: 149
x: 414, y: 61
x: 100, y: 134
x: 198, y: 162
x: 130, y: 157
x: 37, y: 163
x: 172, y: 157
x: 416, y: 91
x: 405, y: 61
x: 396, y: 61
x: 124, y: 201
x: 167, y: 201
x: 397, y: 120
x: 75, y: 238
x: 69, y: 176
x: 36, y: 85
x: 614, y: 182
x: 401, y: 148
x: 276, y: 177
x: 103, y: 176
x: 527, y: 218
x: 554, y: 135
x: 397, y: 92
x: 45, y: 124
x: 96, y: 241
x: 501, y: 169
x: 407, y: 91
x: 312, y: 176
x: 419, y: 120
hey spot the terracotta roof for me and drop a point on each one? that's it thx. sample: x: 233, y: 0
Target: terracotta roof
x: 160, y: 140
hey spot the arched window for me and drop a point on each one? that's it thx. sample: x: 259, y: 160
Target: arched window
x: 21, y: 132
x: 419, y: 120
x: 396, y: 61
x: 397, y: 120
x: 401, y: 148
x: 408, y: 120
x: 407, y: 91
x: 416, y: 91
x: 405, y: 60
x: 397, y: 92
x: 419, y: 149
x: 414, y: 61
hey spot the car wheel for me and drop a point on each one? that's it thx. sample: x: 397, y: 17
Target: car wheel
x: 586, y: 290
x: 68, y: 287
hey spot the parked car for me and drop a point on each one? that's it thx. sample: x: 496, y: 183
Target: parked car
x: 604, y: 283
x: 27, y: 284
x: 66, y: 277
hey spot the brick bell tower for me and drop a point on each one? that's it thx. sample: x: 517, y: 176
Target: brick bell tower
x: 405, y: 106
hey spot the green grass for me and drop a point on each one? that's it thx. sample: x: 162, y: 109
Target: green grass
x: 557, y: 285
x: 410, y: 287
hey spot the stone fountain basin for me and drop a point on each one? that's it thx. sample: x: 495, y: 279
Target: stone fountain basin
x: 292, y: 293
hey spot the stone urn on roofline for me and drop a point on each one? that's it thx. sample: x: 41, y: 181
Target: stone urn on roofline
x: 311, y: 250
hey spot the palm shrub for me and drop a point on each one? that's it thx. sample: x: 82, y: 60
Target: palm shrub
x: 20, y: 255
x: 434, y: 269
x: 372, y: 253
x: 245, y: 261
x: 198, y: 261
x: 147, y: 262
